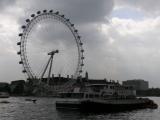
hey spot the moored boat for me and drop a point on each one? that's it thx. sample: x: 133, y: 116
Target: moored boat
x: 4, y: 95
x: 110, y: 97
x: 105, y: 105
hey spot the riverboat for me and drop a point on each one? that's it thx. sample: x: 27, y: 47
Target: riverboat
x: 108, y: 97
x: 4, y: 95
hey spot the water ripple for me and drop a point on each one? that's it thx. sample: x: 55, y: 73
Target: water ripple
x: 44, y: 109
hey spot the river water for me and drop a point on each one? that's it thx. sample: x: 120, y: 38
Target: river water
x: 44, y: 109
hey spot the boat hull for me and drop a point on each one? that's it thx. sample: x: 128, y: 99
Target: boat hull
x: 4, y: 95
x: 106, y: 106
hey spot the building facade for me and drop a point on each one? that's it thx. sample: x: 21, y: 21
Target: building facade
x: 137, y: 84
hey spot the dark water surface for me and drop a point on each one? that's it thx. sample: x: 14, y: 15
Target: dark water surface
x: 44, y: 109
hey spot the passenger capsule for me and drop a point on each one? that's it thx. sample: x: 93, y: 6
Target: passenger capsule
x: 27, y: 20
x: 23, y: 27
x: 62, y: 16
x: 57, y: 13
x: 32, y: 15
x: 20, y: 34
x: 38, y: 12
x: 82, y: 50
x: 82, y: 64
x: 82, y: 57
x: 75, y: 30
x: 81, y: 43
x: 78, y: 37
x: 18, y: 43
x: 24, y: 71
x: 19, y: 52
x: 67, y: 20
x: 72, y: 25
x: 44, y: 11
x: 51, y: 11
x: 57, y: 51
x: 20, y: 62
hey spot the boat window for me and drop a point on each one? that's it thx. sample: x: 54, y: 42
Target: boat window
x: 77, y: 95
x: 96, y: 96
x: 91, y: 95
x: 72, y: 95
x: 86, y: 95
x: 111, y: 87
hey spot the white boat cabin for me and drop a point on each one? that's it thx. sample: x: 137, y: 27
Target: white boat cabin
x: 110, y: 90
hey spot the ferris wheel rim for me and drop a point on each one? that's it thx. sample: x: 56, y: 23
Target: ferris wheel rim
x: 26, y: 30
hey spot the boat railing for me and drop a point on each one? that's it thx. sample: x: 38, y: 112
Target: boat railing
x: 118, y: 101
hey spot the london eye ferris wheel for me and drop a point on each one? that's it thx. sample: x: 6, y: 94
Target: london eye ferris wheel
x: 47, y: 31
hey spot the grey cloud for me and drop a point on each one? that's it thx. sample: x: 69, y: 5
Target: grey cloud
x: 54, y: 33
x: 135, y: 55
x: 81, y: 11
x: 5, y: 3
x: 85, y: 14
x: 122, y: 60
x: 131, y: 56
x: 149, y: 7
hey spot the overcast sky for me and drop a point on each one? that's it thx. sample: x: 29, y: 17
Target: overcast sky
x: 121, y: 37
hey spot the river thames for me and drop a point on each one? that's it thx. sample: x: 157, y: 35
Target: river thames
x: 44, y: 109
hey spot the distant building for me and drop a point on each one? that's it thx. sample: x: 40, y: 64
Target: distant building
x: 137, y: 84
x: 4, y: 87
x: 17, y: 87
x: 56, y: 81
x: 109, y: 88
